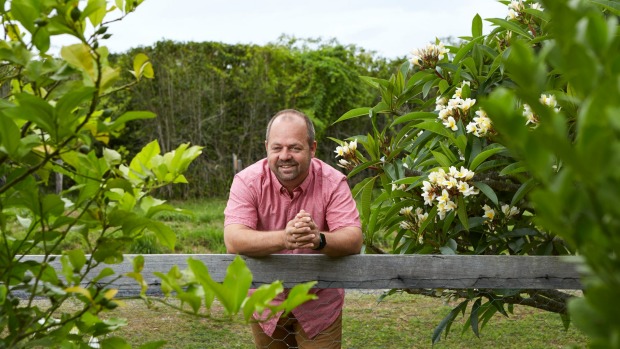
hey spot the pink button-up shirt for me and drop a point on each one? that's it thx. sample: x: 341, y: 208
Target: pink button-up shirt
x: 258, y: 201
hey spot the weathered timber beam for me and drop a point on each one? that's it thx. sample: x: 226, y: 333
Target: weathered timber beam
x: 372, y: 271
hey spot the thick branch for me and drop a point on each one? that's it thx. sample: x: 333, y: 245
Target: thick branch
x: 549, y: 300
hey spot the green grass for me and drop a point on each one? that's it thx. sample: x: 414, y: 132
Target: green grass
x: 400, y: 321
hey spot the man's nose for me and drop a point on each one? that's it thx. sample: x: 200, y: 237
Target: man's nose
x: 285, y: 154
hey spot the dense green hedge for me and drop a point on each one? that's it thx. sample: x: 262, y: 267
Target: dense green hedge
x: 221, y: 97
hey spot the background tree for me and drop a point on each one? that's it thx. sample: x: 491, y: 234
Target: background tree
x: 222, y: 96
x: 487, y: 148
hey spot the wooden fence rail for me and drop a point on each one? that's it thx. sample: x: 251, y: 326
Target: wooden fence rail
x: 372, y: 271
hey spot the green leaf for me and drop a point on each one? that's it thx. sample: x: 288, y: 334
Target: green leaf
x: 485, y: 155
x: 297, y: 296
x: 142, y: 67
x: 105, y: 272
x: 95, y: 10
x: 612, y: 5
x: 525, y: 188
x: 441, y: 159
x: 41, y: 40
x: 437, y: 128
x: 261, y: 299
x: 9, y: 136
x: 511, y: 26
x: 462, y: 212
x: 3, y: 292
x: 79, y: 56
x: 366, y: 199
x: 447, y: 321
x: 471, y: 68
x: 486, y: 190
x: 413, y: 116
x: 443, y: 86
x: 77, y: 258
x: 474, y: 317
x: 465, y: 50
x: 165, y: 235
x: 114, y: 343
x: 476, y: 26
x: 119, y: 123
x: 67, y: 103
x: 233, y: 290
x: 138, y: 263
x: 26, y: 12
x: 362, y: 167
x: 34, y: 109
x: 513, y: 168
x: 354, y: 113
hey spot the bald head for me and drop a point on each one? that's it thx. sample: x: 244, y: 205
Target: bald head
x: 290, y: 115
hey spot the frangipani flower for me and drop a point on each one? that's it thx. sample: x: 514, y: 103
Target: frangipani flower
x: 489, y: 213
x: 428, y: 56
x: 481, y: 125
x: 442, y: 188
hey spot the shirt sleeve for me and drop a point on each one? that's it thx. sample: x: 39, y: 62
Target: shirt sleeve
x: 241, y: 207
x: 342, y: 210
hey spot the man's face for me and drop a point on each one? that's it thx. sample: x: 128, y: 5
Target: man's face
x: 288, y: 151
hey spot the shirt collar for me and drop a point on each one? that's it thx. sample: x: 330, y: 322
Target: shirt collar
x: 302, y: 187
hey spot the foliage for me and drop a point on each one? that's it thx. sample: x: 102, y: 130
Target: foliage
x: 488, y: 147
x: 56, y: 119
x: 222, y: 96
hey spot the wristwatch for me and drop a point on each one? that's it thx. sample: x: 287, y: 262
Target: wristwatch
x: 322, y: 244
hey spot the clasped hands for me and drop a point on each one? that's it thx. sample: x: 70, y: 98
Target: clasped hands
x: 301, y: 232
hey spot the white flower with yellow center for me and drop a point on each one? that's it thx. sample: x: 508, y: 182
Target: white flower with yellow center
x: 529, y: 115
x: 450, y: 183
x: 437, y: 177
x: 444, y: 197
x: 466, y: 104
x: 421, y: 216
x: 406, y: 211
x: 445, y: 113
x: 466, y: 173
x: 489, y: 213
x: 398, y: 186
x: 339, y: 151
x: 451, y: 124
x: 353, y: 146
x: 548, y: 100
x: 440, y: 103
x: 509, y: 211
x: 428, y: 197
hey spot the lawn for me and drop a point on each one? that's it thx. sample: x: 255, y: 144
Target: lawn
x: 400, y: 321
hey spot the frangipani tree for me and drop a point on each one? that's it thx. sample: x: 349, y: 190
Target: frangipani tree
x: 55, y: 120
x: 479, y: 148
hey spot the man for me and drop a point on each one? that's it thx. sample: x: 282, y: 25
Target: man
x: 291, y: 202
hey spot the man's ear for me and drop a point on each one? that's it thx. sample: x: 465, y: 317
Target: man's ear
x: 266, y: 149
x: 313, y: 148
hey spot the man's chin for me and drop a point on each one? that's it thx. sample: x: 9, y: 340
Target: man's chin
x: 287, y: 176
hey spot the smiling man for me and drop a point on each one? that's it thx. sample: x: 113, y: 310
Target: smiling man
x: 291, y: 202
